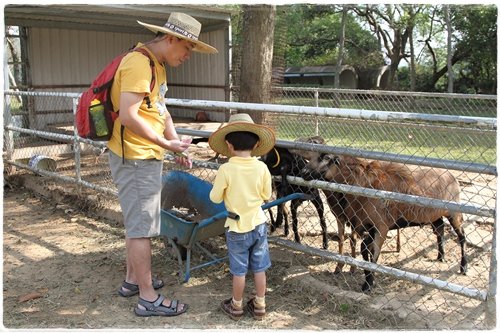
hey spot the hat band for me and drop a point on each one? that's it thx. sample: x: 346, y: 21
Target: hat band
x: 179, y: 30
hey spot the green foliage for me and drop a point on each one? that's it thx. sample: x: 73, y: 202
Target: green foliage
x: 308, y: 35
x: 476, y: 25
x: 312, y: 36
x: 371, y: 60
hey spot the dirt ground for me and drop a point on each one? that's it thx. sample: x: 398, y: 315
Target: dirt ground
x: 62, y: 266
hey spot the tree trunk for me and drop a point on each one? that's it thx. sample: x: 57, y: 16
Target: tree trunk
x: 341, y: 47
x: 413, y: 72
x: 257, y: 56
x: 449, y: 49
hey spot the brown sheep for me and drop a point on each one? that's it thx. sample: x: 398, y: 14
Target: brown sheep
x: 373, y: 217
x: 336, y: 201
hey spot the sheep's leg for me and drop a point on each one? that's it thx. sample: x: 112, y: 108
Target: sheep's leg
x: 353, y: 241
x: 376, y: 240
x: 284, y: 210
x: 321, y: 213
x: 341, y: 234
x: 456, y: 223
x: 438, y: 229
x: 273, y: 222
x: 294, y: 206
x: 366, y: 245
x: 279, y: 215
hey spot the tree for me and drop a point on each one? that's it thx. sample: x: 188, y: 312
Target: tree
x: 341, y: 46
x: 474, y: 54
x: 314, y: 33
x: 257, y: 56
x: 393, y: 25
x: 449, y: 52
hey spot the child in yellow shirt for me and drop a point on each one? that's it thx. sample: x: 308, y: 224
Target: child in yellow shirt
x: 244, y: 183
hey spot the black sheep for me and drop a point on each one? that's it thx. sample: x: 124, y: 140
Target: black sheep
x: 281, y: 162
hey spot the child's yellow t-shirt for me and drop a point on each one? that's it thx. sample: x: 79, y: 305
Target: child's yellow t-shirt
x: 243, y: 184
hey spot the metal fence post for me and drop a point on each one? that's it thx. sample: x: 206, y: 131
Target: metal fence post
x: 316, y: 98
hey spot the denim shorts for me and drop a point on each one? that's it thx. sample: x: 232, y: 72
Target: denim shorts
x: 248, y: 251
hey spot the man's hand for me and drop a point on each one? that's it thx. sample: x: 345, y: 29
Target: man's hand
x: 181, y: 155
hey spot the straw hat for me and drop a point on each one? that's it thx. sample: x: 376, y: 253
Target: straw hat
x: 242, y: 122
x: 185, y: 27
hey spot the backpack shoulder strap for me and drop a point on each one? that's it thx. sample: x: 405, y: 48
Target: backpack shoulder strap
x: 153, y: 72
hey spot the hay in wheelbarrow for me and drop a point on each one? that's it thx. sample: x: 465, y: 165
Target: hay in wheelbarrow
x: 188, y: 217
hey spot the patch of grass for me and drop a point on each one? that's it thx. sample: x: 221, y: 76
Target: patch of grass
x: 436, y: 141
x: 344, y: 308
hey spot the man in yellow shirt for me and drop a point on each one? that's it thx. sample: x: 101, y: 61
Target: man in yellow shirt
x: 244, y: 183
x: 141, y: 134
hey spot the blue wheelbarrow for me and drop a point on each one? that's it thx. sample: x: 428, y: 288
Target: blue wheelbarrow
x: 200, y: 219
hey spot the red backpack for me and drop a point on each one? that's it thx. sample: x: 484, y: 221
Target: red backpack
x: 100, y: 90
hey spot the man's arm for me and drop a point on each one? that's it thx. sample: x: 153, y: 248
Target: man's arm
x: 129, y: 116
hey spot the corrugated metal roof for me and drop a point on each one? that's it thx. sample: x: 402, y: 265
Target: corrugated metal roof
x: 116, y: 18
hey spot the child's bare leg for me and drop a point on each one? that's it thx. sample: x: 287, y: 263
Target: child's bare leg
x: 238, y: 287
x: 260, y: 283
x: 257, y: 305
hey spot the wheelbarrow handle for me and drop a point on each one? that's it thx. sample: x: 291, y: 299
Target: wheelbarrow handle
x: 218, y: 216
x: 235, y: 216
x: 284, y: 199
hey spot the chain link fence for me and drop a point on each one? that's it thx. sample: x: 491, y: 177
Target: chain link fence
x: 454, y: 133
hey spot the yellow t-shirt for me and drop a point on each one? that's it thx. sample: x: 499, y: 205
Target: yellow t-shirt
x: 243, y: 184
x: 134, y: 75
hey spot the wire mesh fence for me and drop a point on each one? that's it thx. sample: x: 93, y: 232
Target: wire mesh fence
x: 445, y: 149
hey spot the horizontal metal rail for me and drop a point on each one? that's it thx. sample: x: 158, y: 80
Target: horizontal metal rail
x: 389, y: 93
x: 42, y: 94
x: 65, y: 178
x: 335, y: 112
x: 394, y: 196
x: 405, y: 159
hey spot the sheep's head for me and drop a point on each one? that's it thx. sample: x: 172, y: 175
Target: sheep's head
x: 279, y: 161
x: 321, y: 167
x: 305, y: 153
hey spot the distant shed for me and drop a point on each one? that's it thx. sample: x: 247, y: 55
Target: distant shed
x: 375, y: 78
x: 321, y: 76
x: 64, y: 47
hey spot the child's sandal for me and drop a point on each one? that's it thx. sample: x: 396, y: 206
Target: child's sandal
x: 229, y: 309
x: 257, y: 312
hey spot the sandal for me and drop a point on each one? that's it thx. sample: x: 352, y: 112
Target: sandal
x: 229, y: 309
x: 133, y: 289
x: 257, y: 312
x: 156, y: 308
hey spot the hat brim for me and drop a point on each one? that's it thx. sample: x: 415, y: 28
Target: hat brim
x: 267, y: 139
x: 199, y: 45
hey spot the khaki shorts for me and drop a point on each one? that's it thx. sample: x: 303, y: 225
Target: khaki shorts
x: 139, y: 192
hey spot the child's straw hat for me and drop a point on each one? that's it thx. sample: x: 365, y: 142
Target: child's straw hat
x: 242, y: 122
